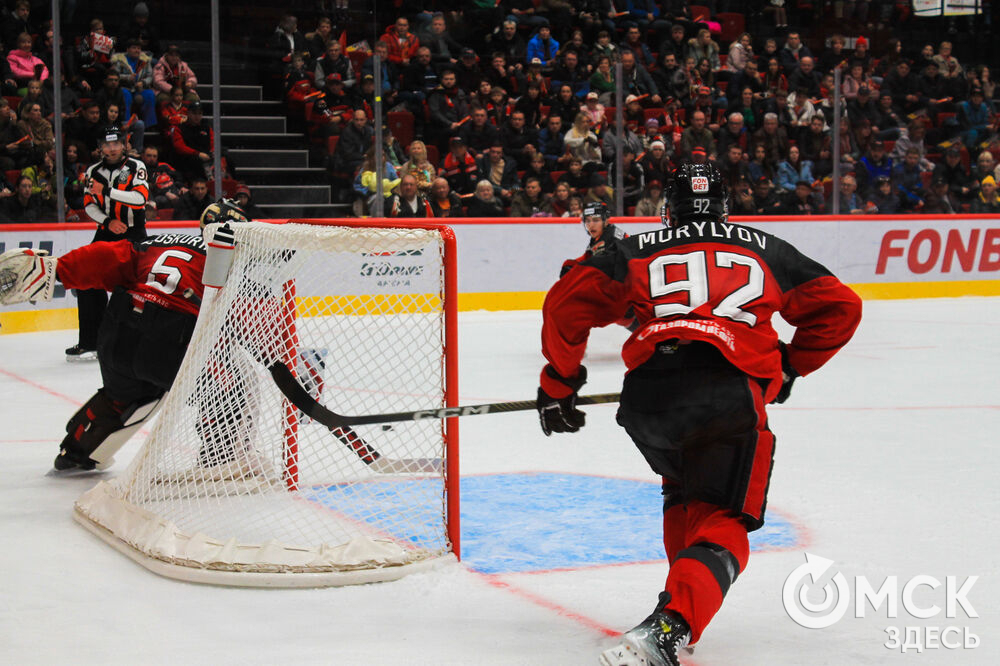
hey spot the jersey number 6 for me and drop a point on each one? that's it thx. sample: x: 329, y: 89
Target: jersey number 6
x: 697, y: 285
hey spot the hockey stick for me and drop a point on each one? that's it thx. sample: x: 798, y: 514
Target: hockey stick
x: 299, y: 397
x: 308, y: 405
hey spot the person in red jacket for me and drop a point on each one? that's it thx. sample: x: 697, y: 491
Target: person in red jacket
x: 702, y: 364
x: 402, y: 43
x: 193, y: 142
x: 157, y: 291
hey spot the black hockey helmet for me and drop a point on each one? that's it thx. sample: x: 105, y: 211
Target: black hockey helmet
x: 695, y: 192
x: 223, y: 210
x: 112, y: 133
x: 594, y: 209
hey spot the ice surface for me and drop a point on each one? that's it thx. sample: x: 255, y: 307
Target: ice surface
x: 886, y: 463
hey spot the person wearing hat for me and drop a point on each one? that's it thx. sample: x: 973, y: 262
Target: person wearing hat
x: 765, y: 200
x: 170, y: 71
x: 543, y: 46
x: 655, y: 161
x: 875, y: 164
x: 882, y: 200
x: 467, y: 70
x: 987, y: 200
x: 595, y: 111
x: 244, y: 198
x: 599, y: 191
x: 652, y: 199
x: 940, y: 200
x: 954, y: 172
x: 334, y: 104
x: 804, y: 199
x: 193, y: 143
x: 138, y: 28
x: 864, y: 107
x: 974, y: 118
x: 334, y: 61
x: 135, y: 71
x: 449, y: 108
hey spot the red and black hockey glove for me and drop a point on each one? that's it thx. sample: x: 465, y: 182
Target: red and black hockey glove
x: 560, y: 414
x: 788, y: 376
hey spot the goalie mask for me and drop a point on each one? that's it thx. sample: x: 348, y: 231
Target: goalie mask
x: 695, y: 192
x: 223, y: 210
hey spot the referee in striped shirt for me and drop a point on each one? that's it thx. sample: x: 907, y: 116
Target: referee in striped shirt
x: 116, y: 195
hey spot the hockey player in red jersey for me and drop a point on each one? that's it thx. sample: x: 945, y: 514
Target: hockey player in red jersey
x: 701, y: 366
x: 144, y: 334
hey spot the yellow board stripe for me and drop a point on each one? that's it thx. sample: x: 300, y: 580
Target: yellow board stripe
x: 27, y: 321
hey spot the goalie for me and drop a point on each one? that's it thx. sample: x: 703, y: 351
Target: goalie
x: 157, y: 291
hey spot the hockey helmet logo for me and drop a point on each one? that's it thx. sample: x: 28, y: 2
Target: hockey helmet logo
x: 699, y: 184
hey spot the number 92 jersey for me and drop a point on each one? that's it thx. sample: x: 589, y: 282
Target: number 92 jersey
x: 158, y: 269
x: 716, y: 282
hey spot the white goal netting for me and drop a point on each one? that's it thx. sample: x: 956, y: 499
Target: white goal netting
x: 235, y: 485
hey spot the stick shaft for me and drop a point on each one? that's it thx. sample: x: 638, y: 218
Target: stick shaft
x: 287, y: 384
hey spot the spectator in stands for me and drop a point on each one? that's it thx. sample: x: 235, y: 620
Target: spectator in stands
x: 773, y: 78
x: 165, y: 187
x: 913, y: 137
x: 244, y: 198
x: 86, y: 129
x: 816, y: 145
x: 519, y: 141
x: 599, y: 191
x: 510, y: 43
x: 135, y: 71
x: 25, y: 65
x: 552, y: 145
x: 740, y: 53
x: 42, y: 180
x: 418, y: 166
x: 577, y: 178
x: 94, y: 53
x: 864, y: 108
x: 366, y: 182
x: 765, y: 200
x: 559, y: 201
x: 318, y: 41
x: 530, y: 201
x: 543, y: 46
x: 792, y: 53
x: 888, y: 121
x: 882, y: 200
x: 193, y: 144
x: 354, y: 140
x: 733, y: 166
x: 485, y: 202
x: 805, y: 77
x: 193, y: 203
x: 570, y: 73
x: 833, y: 56
x: 459, y: 167
x: 334, y: 61
x: 987, y: 200
x: 634, y: 44
x: 602, y: 82
x: 652, y: 200
x: 604, y: 48
x: 173, y: 112
x: 703, y: 46
x: 444, y: 202
x: 876, y: 164
x: 760, y: 165
x: 985, y: 165
x: 564, y: 104
x: 23, y: 206
x: 734, y: 131
x: 17, y: 22
x: 500, y: 171
x: 402, y: 44
x: 285, y: 41
x: 974, y: 119
x: 74, y: 175
x: 803, y: 200
x: 34, y: 95
x: 581, y: 142
x: 408, y: 201
x: 750, y: 112
x: 697, y: 134
x: 467, y: 71
x: 111, y: 92
x: 140, y: 29
x: 940, y: 200
x: 39, y: 131
x: 953, y: 172
x: 443, y: 48
x: 637, y: 81
x: 792, y: 170
x: 907, y: 176
x: 904, y: 88
x: 478, y: 133
x: 171, y: 71
x: 448, y: 108
x: 948, y: 63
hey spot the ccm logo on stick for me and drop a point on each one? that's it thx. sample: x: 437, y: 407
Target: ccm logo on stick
x: 930, y: 249
x: 451, y: 411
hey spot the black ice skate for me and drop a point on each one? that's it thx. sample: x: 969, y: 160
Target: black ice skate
x: 654, y: 642
x: 70, y: 463
x: 77, y: 354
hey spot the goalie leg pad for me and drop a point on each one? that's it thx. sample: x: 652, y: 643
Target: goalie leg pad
x: 99, y: 429
x: 26, y: 275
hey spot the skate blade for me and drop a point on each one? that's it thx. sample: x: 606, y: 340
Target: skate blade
x: 630, y: 653
x: 86, y: 357
x: 73, y: 472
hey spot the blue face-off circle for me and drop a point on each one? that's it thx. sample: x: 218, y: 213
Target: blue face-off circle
x: 541, y: 521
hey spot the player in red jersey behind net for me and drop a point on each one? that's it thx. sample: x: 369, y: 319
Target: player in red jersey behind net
x: 701, y: 366
x: 157, y: 290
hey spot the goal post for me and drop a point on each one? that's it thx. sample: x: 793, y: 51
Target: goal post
x: 236, y: 486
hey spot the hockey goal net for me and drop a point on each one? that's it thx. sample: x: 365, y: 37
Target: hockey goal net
x: 235, y: 485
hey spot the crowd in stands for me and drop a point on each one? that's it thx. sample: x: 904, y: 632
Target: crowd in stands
x: 520, y: 95
x: 126, y: 78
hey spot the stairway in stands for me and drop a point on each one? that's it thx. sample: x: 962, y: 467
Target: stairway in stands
x: 284, y: 172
